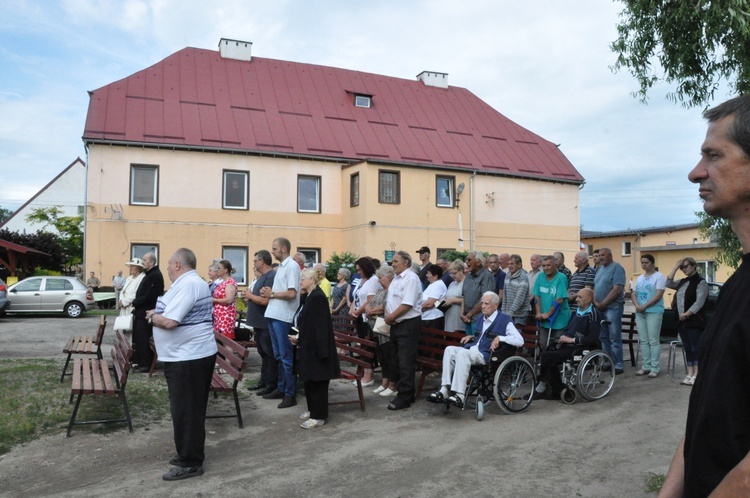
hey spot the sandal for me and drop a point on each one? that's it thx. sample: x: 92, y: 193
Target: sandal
x: 436, y: 397
x: 455, y: 401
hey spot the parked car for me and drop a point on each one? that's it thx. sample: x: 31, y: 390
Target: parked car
x: 4, y: 302
x: 47, y: 293
x: 669, y: 322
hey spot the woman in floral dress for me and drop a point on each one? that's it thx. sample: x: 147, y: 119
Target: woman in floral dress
x: 225, y: 312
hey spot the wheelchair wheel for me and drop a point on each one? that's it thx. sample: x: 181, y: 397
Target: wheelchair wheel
x: 514, y: 381
x: 592, y: 381
x: 480, y: 408
x: 568, y: 396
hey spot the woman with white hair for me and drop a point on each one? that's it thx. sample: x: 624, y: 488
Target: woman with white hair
x: 125, y: 304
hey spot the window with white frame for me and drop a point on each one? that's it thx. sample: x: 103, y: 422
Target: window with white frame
x: 444, y: 191
x: 139, y: 250
x: 363, y: 101
x: 707, y: 270
x: 144, y: 185
x: 308, y: 194
x: 626, y: 249
x: 389, y: 187
x: 235, y: 195
x: 312, y: 255
x: 238, y: 257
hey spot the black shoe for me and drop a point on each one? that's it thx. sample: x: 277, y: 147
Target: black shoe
x: 265, y: 390
x: 287, y: 402
x: 175, y: 460
x: 256, y: 387
x: 619, y: 371
x: 455, y: 400
x: 179, y: 473
x: 399, y: 404
x: 436, y: 397
x: 547, y: 394
x: 274, y: 395
x: 141, y: 370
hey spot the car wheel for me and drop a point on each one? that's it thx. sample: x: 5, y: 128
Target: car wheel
x: 74, y: 309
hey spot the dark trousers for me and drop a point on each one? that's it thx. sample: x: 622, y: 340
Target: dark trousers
x: 388, y: 358
x: 551, y: 361
x: 188, y: 383
x: 691, y: 338
x: 316, y: 392
x: 406, y: 337
x: 437, y: 323
x: 269, y: 367
x: 143, y: 356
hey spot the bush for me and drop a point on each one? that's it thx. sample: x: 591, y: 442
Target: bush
x: 39, y: 271
x: 345, y: 260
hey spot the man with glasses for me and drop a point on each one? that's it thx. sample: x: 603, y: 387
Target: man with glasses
x: 403, y: 312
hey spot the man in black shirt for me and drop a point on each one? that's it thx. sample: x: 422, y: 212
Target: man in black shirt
x: 256, y: 310
x: 714, y: 456
x: 149, y: 290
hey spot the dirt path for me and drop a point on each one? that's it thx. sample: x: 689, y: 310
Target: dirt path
x: 597, y: 449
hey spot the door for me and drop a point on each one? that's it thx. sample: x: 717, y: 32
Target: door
x: 56, y: 293
x: 26, y: 295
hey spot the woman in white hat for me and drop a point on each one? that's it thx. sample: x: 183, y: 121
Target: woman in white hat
x: 131, y: 286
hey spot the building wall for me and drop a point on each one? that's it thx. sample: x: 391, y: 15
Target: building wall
x: 527, y: 216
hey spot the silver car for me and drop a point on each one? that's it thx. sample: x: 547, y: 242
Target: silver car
x: 46, y: 293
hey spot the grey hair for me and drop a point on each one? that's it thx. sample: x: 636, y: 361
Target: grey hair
x: 479, y: 256
x: 405, y: 255
x: 493, y: 297
x: 346, y: 273
x: 385, y: 271
x: 186, y: 257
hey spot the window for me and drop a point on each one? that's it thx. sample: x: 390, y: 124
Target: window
x: 139, y: 250
x: 707, y: 270
x: 58, y: 284
x: 626, y: 249
x: 144, y: 185
x: 308, y: 194
x: 363, y: 101
x: 389, y: 187
x: 354, y: 190
x: 312, y: 256
x: 238, y: 257
x: 29, y: 285
x: 444, y: 196
x: 590, y: 249
x: 235, y: 189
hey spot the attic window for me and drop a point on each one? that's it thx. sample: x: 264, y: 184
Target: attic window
x: 363, y: 101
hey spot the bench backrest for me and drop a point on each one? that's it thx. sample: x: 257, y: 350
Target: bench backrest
x: 628, y: 322
x: 100, y: 330
x: 350, y: 345
x: 530, y: 334
x: 432, y: 342
x: 231, y: 356
x: 345, y: 324
x: 121, y: 353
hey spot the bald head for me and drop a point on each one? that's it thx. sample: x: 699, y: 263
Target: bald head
x: 584, y: 298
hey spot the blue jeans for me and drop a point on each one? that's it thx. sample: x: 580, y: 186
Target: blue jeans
x: 611, y: 335
x: 283, y: 351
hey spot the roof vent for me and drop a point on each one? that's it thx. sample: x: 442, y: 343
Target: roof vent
x: 235, y: 49
x: 431, y: 78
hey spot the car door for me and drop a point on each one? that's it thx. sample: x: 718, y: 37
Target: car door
x: 26, y: 295
x: 56, y: 293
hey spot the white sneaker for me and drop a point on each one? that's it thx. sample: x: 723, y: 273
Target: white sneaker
x: 312, y: 423
x: 690, y: 382
x: 304, y: 416
x: 686, y: 380
x: 379, y: 389
x: 388, y: 392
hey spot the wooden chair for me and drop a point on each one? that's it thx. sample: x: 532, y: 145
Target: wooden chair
x: 231, y: 358
x: 85, y: 345
x: 629, y: 328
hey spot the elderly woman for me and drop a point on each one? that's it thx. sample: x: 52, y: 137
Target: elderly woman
x: 454, y: 301
x: 317, y: 360
x: 213, y: 276
x: 432, y: 296
x: 649, y: 311
x: 385, y: 351
x: 225, y: 311
x: 339, y: 292
x: 125, y: 304
x: 688, y: 303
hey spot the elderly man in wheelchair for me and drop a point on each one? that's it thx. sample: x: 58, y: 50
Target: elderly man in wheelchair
x: 579, y: 343
x: 495, y: 333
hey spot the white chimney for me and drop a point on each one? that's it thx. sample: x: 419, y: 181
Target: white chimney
x: 431, y: 78
x: 235, y: 49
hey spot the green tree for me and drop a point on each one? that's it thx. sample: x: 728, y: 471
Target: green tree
x: 693, y: 44
x: 729, y: 250
x: 5, y: 214
x: 69, y: 228
x: 345, y: 259
x: 41, y: 241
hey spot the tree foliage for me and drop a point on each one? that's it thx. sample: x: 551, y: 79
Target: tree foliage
x: 693, y: 44
x: 41, y: 241
x: 345, y: 260
x: 5, y: 214
x: 729, y: 249
x: 69, y: 228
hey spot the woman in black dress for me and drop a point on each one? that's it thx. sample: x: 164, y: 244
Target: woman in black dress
x: 317, y: 360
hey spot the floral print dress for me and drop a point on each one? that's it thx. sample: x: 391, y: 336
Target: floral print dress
x: 225, y: 315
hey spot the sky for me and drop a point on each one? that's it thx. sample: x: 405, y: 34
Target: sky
x: 544, y: 64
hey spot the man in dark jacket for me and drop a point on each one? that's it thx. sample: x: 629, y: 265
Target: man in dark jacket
x: 149, y: 290
x: 581, y: 333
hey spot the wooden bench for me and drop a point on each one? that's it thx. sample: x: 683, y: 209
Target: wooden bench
x: 231, y: 358
x: 359, y: 353
x: 85, y: 345
x: 243, y: 335
x: 93, y: 376
x: 432, y: 344
x: 629, y: 329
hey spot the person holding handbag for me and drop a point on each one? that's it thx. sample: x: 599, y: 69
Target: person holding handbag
x: 125, y: 301
x: 688, y: 303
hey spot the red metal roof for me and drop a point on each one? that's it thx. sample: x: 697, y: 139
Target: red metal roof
x: 196, y: 98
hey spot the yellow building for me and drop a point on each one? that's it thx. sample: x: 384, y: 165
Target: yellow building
x: 222, y: 152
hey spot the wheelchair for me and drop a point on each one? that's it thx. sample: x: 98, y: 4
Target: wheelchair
x: 585, y: 375
x: 508, y: 384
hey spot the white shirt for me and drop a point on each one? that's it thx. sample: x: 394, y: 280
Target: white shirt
x: 436, y: 290
x: 406, y: 288
x: 287, y: 277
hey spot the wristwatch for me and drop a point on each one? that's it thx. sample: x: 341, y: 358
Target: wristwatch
x: 271, y: 296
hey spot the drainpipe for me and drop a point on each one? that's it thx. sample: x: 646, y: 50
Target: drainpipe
x: 471, y: 211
